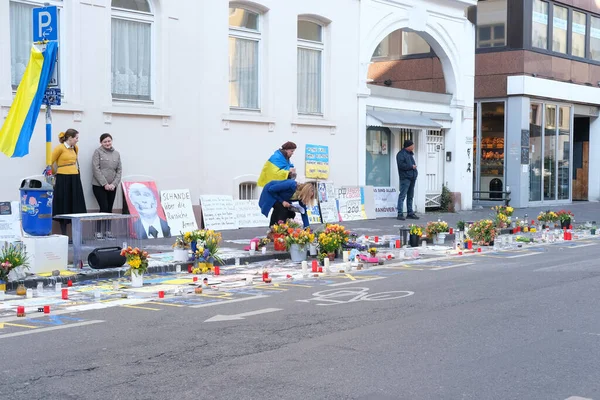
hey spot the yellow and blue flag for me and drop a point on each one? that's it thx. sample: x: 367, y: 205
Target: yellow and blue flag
x: 18, y: 126
x: 277, y: 168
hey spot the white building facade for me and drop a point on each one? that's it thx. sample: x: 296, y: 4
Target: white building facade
x: 198, y: 94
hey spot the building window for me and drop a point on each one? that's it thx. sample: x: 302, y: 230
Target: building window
x: 21, y: 37
x: 578, y: 32
x: 412, y: 43
x: 595, y: 39
x: 131, y: 56
x: 248, y: 191
x: 539, y: 36
x: 244, y: 41
x: 310, y: 67
x: 559, y: 29
x: 378, y: 166
x: 491, y: 23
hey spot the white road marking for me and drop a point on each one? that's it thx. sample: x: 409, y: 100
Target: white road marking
x: 233, y: 317
x: 523, y: 255
x: 52, y: 328
x: 358, y: 280
x: 451, y: 266
x: 218, y: 303
x: 581, y: 245
x: 578, y: 398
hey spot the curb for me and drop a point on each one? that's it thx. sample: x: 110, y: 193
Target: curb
x: 111, y: 273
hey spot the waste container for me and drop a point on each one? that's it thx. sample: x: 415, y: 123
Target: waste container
x: 36, y: 206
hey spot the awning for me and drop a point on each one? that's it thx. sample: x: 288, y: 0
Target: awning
x: 401, y: 120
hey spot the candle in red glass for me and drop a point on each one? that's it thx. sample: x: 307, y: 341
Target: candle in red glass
x: 470, y: 245
x: 376, y: 239
x: 479, y: 250
x: 265, y: 275
x: 460, y: 253
x: 65, y: 294
x: 46, y: 309
x: 69, y: 283
x: 320, y: 269
x: 195, y: 279
x: 570, y: 226
x: 161, y: 294
x: 217, y: 270
x: 20, y: 311
x: 189, y: 269
x: 315, y: 265
x: 451, y: 231
x: 397, y: 244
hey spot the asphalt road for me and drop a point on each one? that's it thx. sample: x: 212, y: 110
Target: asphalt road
x: 493, y: 327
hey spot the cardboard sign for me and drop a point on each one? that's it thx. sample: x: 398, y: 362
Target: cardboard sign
x: 218, y: 212
x: 10, y: 229
x: 178, y: 210
x: 314, y: 214
x: 351, y: 203
x: 327, y: 202
x: 317, y: 161
x: 249, y: 215
x: 386, y: 202
x: 142, y: 201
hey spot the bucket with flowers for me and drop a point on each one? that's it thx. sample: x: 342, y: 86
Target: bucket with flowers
x: 415, y: 232
x: 332, y: 239
x: 437, y: 231
x: 181, y: 247
x: 279, y: 231
x: 547, y: 218
x: 138, y: 265
x: 565, y: 217
x: 297, y: 242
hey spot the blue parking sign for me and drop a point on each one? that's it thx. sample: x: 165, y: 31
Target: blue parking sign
x: 45, y: 23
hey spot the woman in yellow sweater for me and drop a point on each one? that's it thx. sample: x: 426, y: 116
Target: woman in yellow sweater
x: 68, y: 192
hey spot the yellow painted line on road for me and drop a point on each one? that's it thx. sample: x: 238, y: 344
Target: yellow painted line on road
x: 142, y: 308
x: 165, y: 304
x: 3, y: 324
x: 217, y: 296
x: 270, y: 288
x: 291, y: 285
x: 350, y: 277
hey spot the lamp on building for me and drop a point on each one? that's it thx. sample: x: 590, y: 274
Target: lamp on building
x: 387, y: 82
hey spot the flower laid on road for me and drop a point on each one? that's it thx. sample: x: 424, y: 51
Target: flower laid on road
x: 136, y: 259
x: 483, y: 232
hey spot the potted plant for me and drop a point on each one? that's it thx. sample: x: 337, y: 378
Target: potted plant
x: 460, y: 226
x: 138, y: 265
x: 297, y: 242
x: 207, y: 253
x: 415, y: 232
x: 437, y: 231
x: 181, y: 248
x: 483, y: 232
x: 565, y: 217
x: 329, y: 243
x: 13, y: 262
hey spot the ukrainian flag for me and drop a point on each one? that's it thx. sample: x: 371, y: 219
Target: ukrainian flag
x: 18, y: 126
x: 277, y: 168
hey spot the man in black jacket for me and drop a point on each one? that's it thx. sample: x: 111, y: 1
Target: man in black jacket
x: 407, y: 171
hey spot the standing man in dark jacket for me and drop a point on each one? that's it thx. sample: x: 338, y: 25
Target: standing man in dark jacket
x: 407, y: 171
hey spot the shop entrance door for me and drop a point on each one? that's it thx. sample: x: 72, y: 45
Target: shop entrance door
x: 581, y: 142
x: 435, y: 169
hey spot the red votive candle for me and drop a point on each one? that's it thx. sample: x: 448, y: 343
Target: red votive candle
x: 315, y: 265
x: 479, y: 249
x: 397, y: 244
x: 195, y: 279
x: 69, y: 283
x: 217, y: 270
x: 460, y: 253
x: 470, y: 245
x: 320, y: 269
x: 376, y: 239
x: 451, y: 231
x: 265, y: 276
x: 65, y: 294
x: 161, y: 294
x: 46, y: 309
x: 189, y: 269
x: 20, y: 311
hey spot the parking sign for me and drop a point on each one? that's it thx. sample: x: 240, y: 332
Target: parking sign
x: 45, y: 23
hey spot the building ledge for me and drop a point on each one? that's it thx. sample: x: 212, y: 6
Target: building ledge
x: 252, y: 118
x: 137, y: 110
x: 314, y: 122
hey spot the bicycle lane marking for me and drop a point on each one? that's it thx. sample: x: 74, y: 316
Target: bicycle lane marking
x: 350, y: 295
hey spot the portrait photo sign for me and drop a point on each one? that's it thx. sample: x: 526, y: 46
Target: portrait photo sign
x: 143, y: 202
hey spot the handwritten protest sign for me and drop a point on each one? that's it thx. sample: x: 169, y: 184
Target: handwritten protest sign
x: 386, y: 201
x: 249, y: 215
x: 177, y: 205
x: 10, y: 229
x: 351, y: 203
x: 219, y: 212
x: 327, y: 203
x: 317, y: 161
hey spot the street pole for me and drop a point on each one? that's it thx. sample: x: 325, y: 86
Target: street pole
x: 48, y: 137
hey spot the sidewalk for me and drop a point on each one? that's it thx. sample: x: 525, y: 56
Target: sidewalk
x: 234, y: 242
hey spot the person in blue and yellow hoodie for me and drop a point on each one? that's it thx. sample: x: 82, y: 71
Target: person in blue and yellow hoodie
x: 278, y: 167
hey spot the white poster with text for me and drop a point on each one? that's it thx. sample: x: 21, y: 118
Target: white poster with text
x: 386, y: 202
x: 177, y: 205
x: 218, y: 212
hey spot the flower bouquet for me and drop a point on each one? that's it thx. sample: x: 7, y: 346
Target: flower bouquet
x: 13, y: 261
x: 501, y: 220
x: 181, y: 246
x: 505, y: 210
x: 278, y: 232
x: 138, y: 264
x: 329, y: 243
x: 373, y: 251
x: 565, y: 217
x: 207, y: 252
x: 483, y: 232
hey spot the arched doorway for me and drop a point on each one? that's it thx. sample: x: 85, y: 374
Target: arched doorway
x: 417, y: 81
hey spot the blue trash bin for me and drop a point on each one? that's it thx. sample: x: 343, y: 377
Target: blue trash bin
x: 36, y: 206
